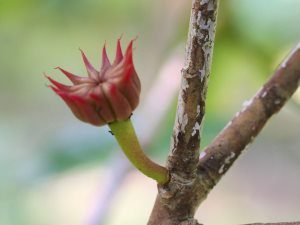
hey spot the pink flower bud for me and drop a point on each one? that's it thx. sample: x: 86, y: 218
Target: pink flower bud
x: 105, y: 96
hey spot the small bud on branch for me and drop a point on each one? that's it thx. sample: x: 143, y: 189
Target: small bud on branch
x: 109, y: 96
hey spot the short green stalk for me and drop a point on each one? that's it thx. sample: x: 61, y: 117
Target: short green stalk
x: 128, y: 141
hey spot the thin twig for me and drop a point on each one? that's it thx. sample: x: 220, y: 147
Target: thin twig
x: 244, y: 127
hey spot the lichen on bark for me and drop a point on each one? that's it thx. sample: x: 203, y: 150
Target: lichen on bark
x: 177, y: 200
x: 193, y: 177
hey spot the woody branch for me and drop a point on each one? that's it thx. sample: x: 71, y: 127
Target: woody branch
x: 176, y: 202
x: 191, y: 178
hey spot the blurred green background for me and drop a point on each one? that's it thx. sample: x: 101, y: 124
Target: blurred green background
x: 52, y: 166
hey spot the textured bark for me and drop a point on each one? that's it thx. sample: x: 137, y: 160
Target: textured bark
x: 292, y: 223
x: 192, y: 178
x: 177, y: 201
x: 217, y: 158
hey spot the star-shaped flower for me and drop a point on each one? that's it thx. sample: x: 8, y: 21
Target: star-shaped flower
x: 105, y: 96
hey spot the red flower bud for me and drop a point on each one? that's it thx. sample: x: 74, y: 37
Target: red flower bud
x: 105, y: 96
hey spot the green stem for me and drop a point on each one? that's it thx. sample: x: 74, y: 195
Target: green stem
x: 127, y: 139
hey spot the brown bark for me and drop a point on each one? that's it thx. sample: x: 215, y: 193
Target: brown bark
x: 218, y: 157
x: 193, y: 178
x: 292, y: 223
x: 177, y: 201
x: 244, y: 127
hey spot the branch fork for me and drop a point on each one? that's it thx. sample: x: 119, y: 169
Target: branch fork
x: 193, y: 176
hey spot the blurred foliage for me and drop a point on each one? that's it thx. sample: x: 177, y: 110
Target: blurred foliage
x: 39, y: 137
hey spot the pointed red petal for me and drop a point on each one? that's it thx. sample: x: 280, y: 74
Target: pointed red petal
x: 128, y: 71
x: 77, y: 99
x: 92, y: 72
x: 56, y: 90
x: 74, y: 106
x: 58, y: 85
x: 95, y: 97
x: 119, y: 53
x: 128, y: 61
x: 128, y: 54
x: 120, y: 105
x: 59, y: 92
x: 64, y: 96
x: 102, y: 105
x: 73, y: 78
x: 105, y: 61
x: 88, y: 112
